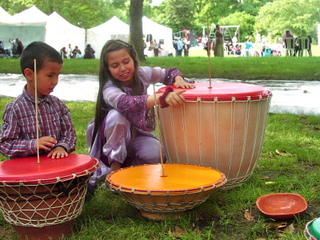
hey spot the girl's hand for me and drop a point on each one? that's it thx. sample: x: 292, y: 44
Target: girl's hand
x: 175, y: 99
x: 180, y: 83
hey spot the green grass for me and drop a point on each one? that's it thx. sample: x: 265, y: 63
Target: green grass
x: 289, y: 162
x: 249, y: 68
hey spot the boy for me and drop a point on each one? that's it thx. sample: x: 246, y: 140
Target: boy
x: 57, y: 137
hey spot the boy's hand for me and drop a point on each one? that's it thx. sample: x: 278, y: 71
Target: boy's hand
x: 46, y: 143
x: 58, y: 152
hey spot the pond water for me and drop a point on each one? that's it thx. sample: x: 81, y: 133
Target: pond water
x: 298, y: 97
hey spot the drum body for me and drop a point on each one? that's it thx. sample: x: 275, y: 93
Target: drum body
x: 42, y: 200
x: 182, y: 187
x: 222, y: 127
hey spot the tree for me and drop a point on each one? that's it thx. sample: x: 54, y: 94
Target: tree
x: 178, y: 14
x: 136, y: 37
x: 251, y: 7
x: 246, y: 22
x: 82, y: 13
x: 299, y: 16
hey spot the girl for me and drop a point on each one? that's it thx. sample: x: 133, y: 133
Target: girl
x: 120, y: 135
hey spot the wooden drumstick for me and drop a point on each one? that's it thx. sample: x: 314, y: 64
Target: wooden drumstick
x: 36, y: 106
x: 209, y: 53
x: 158, y: 123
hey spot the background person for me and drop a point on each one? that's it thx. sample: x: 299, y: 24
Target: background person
x: 20, y: 47
x: 76, y: 53
x: 89, y: 52
x: 219, y: 42
x: 63, y: 52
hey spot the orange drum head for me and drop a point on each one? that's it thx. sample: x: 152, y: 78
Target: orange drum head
x: 177, y: 178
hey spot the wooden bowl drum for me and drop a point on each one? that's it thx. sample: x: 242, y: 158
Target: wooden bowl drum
x: 222, y: 127
x: 182, y: 187
x: 42, y: 200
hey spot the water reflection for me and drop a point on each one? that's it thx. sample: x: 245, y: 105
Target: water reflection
x: 299, y: 97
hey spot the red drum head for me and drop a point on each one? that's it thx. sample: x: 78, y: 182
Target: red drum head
x: 223, y: 91
x: 49, y: 170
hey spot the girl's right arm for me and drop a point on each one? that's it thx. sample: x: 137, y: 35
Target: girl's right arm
x: 173, y: 99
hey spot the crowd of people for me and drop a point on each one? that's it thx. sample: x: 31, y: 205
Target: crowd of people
x: 181, y: 47
x: 76, y: 52
x: 16, y: 48
x: 14, y: 51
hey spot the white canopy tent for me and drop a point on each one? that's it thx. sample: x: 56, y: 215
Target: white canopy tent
x: 60, y: 33
x: 318, y: 34
x: 114, y: 28
x: 117, y: 29
x: 3, y: 14
x: 34, y: 25
x: 28, y: 26
x: 159, y: 32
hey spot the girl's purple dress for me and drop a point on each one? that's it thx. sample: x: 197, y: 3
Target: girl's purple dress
x: 126, y: 134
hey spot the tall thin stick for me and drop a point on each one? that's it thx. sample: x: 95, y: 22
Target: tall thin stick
x: 209, y: 53
x: 36, y: 106
x: 158, y: 124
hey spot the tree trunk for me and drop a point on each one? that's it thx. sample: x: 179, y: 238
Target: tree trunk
x: 136, y: 35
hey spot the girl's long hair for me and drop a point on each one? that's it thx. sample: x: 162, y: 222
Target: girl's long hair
x: 105, y: 76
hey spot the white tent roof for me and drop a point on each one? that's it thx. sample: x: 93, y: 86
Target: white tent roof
x: 29, y: 16
x: 60, y: 33
x: 28, y: 26
x: 114, y: 28
x: 33, y: 25
x: 117, y: 29
x: 3, y: 14
x: 158, y: 31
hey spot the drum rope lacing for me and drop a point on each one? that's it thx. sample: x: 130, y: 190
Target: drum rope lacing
x: 40, y: 205
x: 167, y: 202
x: 259, y: 102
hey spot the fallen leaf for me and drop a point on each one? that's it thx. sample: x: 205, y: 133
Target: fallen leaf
x: 248, y: 216
x: 177, y: 231
x: 283, y: 153
x: 278, y: 226
x: 291, y: 228
x: 196, y: 230
x: 264, y: 177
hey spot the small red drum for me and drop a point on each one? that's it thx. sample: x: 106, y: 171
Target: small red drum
x: 156, y: 195
x: 42, y: 200
x: 222, y: 127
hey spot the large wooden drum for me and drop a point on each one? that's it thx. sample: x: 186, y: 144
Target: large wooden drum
x: 42, y: 200
x: 160, y: 190
x: 222, y: 127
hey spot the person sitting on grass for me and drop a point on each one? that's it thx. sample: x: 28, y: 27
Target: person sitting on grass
x: 121, y: 135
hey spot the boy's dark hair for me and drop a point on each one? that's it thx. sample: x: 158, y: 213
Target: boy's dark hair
x: 40, y: 51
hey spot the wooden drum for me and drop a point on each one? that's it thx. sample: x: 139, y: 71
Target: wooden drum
x: 222, y: 127
x: 42, y: 200
x: 156, y: 195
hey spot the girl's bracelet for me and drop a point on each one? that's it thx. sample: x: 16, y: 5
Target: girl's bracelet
x: 162, y: 100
